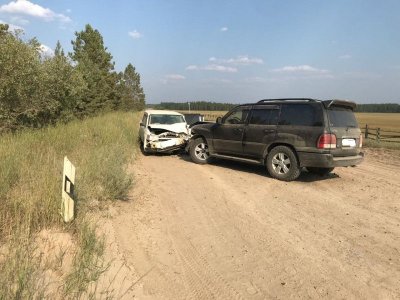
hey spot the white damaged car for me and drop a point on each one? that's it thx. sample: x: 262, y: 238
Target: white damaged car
x: 163, y: 131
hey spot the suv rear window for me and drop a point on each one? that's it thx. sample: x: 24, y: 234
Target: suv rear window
x: 301, y: 115
x: 341, y: 117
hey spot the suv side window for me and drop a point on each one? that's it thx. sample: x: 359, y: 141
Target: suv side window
x: 301, y: 115
x: 238, y: 116
x: 264, y: 116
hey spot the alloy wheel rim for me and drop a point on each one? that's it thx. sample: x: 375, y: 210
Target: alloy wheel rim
x: 201, y: 151
x: 281, y: 163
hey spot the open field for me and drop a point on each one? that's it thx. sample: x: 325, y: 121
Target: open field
x: 387, y: 121
x: 208, y: 115
x: 228, y: 231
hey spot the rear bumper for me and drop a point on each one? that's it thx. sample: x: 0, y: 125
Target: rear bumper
x: 320, y: 160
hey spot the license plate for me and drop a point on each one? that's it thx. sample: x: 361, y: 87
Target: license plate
x: 348, y: 142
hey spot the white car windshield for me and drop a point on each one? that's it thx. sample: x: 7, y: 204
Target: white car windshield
x: 166, y: 119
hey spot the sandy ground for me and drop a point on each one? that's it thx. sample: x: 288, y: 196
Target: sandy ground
x: 229, y: 231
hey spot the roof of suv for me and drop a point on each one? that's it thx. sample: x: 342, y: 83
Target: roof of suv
x: 326, y: 103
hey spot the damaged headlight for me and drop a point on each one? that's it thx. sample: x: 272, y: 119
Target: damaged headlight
x: 152, y: 137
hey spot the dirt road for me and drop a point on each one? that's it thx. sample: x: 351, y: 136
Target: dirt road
x: 228, y: 231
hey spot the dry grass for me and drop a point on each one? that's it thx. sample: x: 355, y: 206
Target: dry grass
x: 386, y: 121
x: 30, y: 191
x: 208, y: 115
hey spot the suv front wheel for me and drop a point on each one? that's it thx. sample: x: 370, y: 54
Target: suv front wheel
x: 199, y: 151
x: 282, y: 164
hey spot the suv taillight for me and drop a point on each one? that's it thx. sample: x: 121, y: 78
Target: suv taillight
x: 361, y: 140
x: 327, y: 141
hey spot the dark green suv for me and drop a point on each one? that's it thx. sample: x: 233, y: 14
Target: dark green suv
x: 285, y: 135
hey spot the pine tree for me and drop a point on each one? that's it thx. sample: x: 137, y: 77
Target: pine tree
x: 63, y: 84
x: 132, y: 96
x: 95, y: 64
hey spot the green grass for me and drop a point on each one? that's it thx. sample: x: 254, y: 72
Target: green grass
x: 31, y: 163
x: 88, y: 264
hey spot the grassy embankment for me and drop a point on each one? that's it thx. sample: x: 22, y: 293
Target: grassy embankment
x: 31, y: 163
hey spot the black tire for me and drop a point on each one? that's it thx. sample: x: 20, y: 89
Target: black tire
x: 282, y: 164
x: 199, y: 151
x: 320, y: 171
x: 144, y: 151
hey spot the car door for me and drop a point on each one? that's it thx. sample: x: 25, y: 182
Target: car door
x: 228, y: 136
x: 142, y: 127
x: 260, y: 130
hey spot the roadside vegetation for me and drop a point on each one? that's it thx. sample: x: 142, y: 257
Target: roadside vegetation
x: 30, y: 192
x: 51, y: 106
x: 39, y: 89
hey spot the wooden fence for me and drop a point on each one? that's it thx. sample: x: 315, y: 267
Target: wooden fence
x: 380, y: 135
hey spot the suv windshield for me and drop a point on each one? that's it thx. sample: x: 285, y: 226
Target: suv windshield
x: 341, y: 117
x: 166, y: 119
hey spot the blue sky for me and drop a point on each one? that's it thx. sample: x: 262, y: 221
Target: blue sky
x: 235, y: 51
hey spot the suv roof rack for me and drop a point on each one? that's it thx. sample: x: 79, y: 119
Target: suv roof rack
x: 288, y: 99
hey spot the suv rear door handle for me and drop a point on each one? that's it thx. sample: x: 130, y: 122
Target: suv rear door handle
x: 238, y: 129
x: 269, y: 130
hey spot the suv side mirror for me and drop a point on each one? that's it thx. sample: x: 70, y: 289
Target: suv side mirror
x: 219, y: 120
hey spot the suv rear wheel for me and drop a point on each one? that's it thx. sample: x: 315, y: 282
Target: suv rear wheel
x: 320, y: 171
x: 199, y: 151
x: 282, y: 164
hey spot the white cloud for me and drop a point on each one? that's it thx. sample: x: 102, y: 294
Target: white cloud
x: 11, y: 27
x: 46, y: 51
x: 25, y: 7
x: 223, y: 29
x: 175, y: 77
x: 256, y: 79
x: 217, y: 80
x: 192, y: 67
x: 219, y: 68
x: 172, y: 78
x: 345, y: 56
x: 243, y: 60
x: 135, y: 34
x: 212, y: 67
x: 305, y: 69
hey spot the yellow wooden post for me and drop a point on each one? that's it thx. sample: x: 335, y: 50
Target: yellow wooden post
x: 67, y: 201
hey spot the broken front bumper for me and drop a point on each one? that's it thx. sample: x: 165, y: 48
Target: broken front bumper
x: 167, y: 145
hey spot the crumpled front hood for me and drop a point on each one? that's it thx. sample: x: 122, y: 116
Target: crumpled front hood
x: 177, y: 128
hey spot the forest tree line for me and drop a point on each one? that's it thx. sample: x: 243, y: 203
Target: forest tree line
x: 379, y: 108
x: 195, y: 105
x: 38, y: 89
x: 216, y: 106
